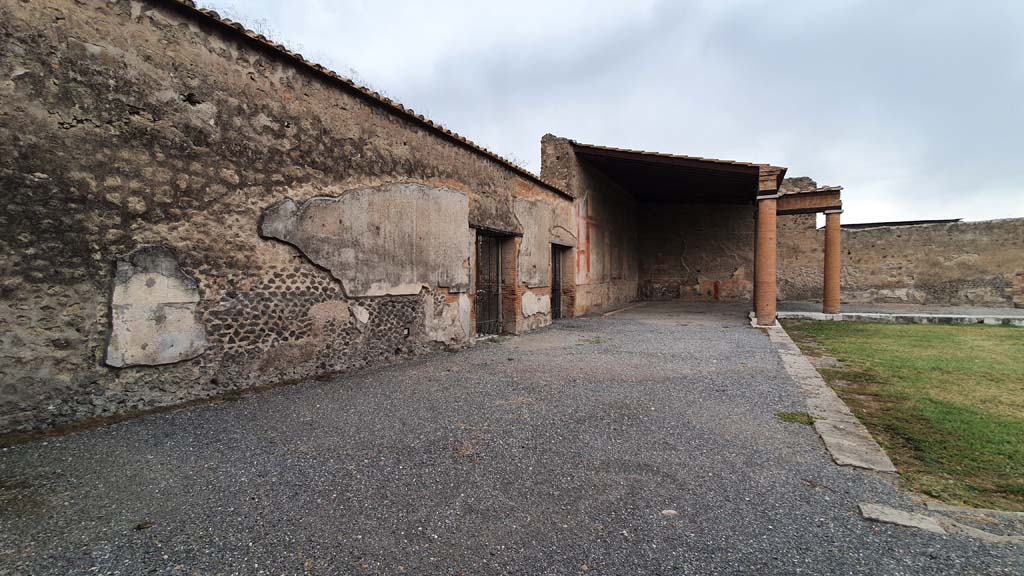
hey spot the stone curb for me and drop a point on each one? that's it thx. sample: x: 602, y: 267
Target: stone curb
x: 850, y: 444
x: 990, y: 320
x: 847, y: 440
x: 937, y: 506
x: 888, y: 515
x: 936, y: 523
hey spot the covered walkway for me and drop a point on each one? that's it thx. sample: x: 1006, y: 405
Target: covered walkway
x: 683, y: 227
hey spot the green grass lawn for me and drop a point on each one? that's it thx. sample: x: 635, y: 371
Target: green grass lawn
x: 946, y: 402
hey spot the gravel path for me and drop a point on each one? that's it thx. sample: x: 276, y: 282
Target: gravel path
x: 552, y: 453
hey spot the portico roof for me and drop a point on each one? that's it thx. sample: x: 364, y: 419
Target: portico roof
x: 821, y: 199
x: 671, y: 178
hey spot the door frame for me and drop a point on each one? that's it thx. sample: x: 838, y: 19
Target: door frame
x: 487, y: 300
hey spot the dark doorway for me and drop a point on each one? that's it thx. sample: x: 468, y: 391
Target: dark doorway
x: 556, y: 282
x: 487, y: 300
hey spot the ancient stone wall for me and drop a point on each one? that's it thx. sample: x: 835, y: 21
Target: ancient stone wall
x: 696, y: 252
x: 605, y: 229
x: 801, y: 258
x: 189, y: 211
x: 956, y: 264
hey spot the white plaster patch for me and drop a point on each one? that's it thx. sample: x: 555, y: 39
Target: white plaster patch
x: 154, y: 319
x: 448, y: 322
x: 897, y: 295
x: 390, y: 240
x: 362, y: 315
x: 536, y: 304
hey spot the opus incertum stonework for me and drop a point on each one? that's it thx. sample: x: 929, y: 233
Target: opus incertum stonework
x: 191, y: 210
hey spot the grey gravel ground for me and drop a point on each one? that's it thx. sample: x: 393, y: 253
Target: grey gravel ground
x: 552, y: 453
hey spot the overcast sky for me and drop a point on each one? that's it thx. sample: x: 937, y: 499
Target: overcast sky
x: 915, y: 107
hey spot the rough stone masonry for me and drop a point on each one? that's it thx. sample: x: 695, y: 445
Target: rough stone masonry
x: 189, y: 210
x: 953, y: 264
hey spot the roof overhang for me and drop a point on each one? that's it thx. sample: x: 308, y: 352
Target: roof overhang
x: 666, y: 178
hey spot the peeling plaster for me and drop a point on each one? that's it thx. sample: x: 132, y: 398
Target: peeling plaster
x: 390, y: 240
x: 540, y: 230
x: 448, y: 322
x: 562, y: 236
x: 535, y: 304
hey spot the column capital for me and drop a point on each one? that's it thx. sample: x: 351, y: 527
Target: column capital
x: 833, y: 211
x: 769, y: 196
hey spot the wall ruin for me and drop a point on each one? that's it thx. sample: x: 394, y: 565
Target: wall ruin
x: 953, y: 264
x: 605, y: 224
x: 395, y: 239
x: 143, y: 123
x: 697, y: 252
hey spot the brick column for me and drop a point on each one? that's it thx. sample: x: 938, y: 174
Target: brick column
x: 833, y: 262
x: 765, y: 260
x: 511, y: 289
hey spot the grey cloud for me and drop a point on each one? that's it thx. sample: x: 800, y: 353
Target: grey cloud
x: 914, y: 107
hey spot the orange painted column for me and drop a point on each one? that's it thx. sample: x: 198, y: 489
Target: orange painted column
x: 833, y: 262
x: 765, y: 260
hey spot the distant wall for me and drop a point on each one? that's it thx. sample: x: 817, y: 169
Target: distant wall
x: 605, y: 227
x: 801, y: 258
x: 696, y: 252
x: 963, y: 263
x: 188, y: 211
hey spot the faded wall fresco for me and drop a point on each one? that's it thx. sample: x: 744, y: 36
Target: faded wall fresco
x: 697, y: 252
x: 389, y: 240
x: 605, y: 220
